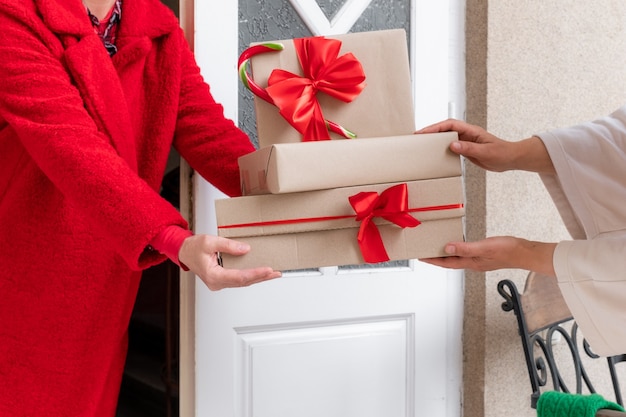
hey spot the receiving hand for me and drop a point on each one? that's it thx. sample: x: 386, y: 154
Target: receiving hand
x: 200, y: 254
x: 476, y: 144
x: 492, y: 153
x: 498, y: 253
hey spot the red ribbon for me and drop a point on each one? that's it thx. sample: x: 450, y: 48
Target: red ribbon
x: 329, y: 218
x: 393, y: 205
x: 341, y: 77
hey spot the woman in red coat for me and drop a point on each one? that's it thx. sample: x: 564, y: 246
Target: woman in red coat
x: 92, y: 97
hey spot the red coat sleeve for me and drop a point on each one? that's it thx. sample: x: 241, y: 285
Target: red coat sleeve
x: 204, y: 137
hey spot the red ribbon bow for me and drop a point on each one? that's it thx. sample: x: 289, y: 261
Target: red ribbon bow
x: 341, y: 77
x: 393, y: 205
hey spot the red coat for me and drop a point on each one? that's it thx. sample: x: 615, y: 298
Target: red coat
x: 84, y: 140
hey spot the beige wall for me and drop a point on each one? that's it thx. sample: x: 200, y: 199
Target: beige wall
x: 532, y: 65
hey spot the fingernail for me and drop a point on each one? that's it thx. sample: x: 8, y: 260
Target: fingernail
x: 450, y: 249
x: 455, y: 146
x: 244, y: 247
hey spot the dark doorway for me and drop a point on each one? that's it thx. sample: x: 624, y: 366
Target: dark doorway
x: 150, y: 382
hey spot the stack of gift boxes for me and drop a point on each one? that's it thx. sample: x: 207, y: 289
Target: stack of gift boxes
x: 313, y: 195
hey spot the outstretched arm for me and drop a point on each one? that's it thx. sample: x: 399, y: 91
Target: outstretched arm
x: 492, y: 153
x: 200, y: 254
x: 498, y: 253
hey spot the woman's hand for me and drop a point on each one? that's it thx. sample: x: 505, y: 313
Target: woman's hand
x: 476, y: 144
x: 492, y: 153
x: 498, y: 253
x: 200, y: 254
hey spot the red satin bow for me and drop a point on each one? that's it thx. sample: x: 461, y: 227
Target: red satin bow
x: 393, y: 205
x: 340, y: 77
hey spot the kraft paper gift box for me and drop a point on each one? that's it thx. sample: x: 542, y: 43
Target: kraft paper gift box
x: 320, y: 228
x: 316, y: 165
x: 383, y: 108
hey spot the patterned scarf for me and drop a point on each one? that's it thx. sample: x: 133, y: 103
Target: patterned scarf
x: 107, y: 28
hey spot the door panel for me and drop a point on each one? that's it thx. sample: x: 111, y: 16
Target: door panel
x: 382, y: 340
x: 284, y: 368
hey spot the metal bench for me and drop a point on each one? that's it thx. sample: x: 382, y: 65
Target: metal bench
x: 545, y: 327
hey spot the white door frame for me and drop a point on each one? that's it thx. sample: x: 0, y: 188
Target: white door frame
x: 438, y: 81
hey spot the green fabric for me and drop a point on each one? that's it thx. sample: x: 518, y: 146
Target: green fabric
x: 560, y: 404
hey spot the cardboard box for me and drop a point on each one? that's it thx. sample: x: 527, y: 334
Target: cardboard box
x: 383, y: 108
x: 319, y: 228
x: 295, y: 167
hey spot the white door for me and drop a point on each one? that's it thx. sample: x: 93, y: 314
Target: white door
x: 336, y: 342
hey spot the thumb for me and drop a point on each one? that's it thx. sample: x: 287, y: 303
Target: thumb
x: 458, y: 249
x: 232, y: 247
x: 463, y: 148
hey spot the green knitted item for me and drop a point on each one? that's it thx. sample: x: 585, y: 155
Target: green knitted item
x: 560, y: 404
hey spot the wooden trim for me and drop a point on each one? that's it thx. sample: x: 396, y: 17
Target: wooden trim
x: 187, y: 348
x: 605, y: 412
x: 186, y: 16
x: 542, y: 302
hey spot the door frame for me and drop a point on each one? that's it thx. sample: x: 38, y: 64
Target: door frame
x: 187, y: 285
x: 440, y: 46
